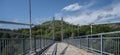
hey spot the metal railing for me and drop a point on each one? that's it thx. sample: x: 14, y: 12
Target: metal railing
x: 99, y: 44
x: 21, y: 46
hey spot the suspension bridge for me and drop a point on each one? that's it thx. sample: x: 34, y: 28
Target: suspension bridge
x: 92, y: 44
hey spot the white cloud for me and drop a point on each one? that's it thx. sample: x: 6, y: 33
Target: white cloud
x: 110, y: 12
x: 72, y: 7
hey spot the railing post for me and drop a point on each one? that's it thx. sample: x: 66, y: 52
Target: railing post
x: 40, y: 43
x: 80, y: 42
x: 0, y: 47
x: 44, y: 41
x: 101, y: 44
x: 35, y: 44
x: 88, y: 42
x: 24, y: 45
x: 118, y: 46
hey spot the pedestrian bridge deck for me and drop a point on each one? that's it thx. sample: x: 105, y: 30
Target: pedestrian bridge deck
x: 62, y: 48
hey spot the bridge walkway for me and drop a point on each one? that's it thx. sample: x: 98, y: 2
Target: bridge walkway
x: 61, y: 48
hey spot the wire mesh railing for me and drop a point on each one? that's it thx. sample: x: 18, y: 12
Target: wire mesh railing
x: 21, y: 46
x: 103, y: 43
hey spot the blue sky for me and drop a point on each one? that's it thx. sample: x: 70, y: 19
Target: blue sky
x: 74, y: 11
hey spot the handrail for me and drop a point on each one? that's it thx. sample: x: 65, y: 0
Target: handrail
x: 101, y: 34
x: 8, y: 22
x: 9, y: 32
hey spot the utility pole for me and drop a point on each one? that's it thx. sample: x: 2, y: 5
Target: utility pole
x: 72, y: 31
x: 91, y: 33
x: 53, y: 27
x: 78, y: 30
x: 62, y: 29
x: 78, y: 34
x: 41, y: 37
x: 30, y: 27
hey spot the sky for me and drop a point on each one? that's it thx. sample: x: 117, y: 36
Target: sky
x: 82, y: 12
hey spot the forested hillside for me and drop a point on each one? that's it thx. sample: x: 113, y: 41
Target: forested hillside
x: 70, y: 30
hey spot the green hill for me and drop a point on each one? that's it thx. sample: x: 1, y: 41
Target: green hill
x: 70, y: 30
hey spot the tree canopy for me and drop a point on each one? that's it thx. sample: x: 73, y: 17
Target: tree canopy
x: 69, y: 30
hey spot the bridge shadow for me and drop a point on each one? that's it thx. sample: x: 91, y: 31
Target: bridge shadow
x: 64, y: 50
x: 55, y: 50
